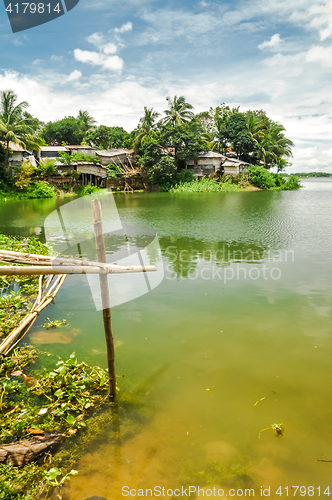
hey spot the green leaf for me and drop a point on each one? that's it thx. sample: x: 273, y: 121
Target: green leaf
x: 53, y: 473
x: 70, y: 419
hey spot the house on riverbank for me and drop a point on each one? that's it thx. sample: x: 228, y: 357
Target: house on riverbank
x: 210, y: 162
x: 83, y: 171
x: 19, y: 154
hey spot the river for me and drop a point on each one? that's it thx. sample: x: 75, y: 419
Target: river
x: 235, y: 338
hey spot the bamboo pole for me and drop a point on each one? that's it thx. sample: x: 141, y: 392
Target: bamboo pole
x: 100, y: 245
x: 45, y: 270
x: 43, y: 260
x: 45, y: 296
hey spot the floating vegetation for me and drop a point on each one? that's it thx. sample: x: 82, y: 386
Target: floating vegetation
x: 259, y: 401
x: 276, y: 426
x: 54, y: 324
x: 56, y: 400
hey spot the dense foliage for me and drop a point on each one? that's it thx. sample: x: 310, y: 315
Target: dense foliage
x: 263, y: 179
x: 162, y: 144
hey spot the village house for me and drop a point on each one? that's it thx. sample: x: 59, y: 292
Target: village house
x: 19, y: 154
x: 115, y: 156
x: 210, y: 162
x: 89, y: 172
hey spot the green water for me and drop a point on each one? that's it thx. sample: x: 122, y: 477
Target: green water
x: 243, y: 313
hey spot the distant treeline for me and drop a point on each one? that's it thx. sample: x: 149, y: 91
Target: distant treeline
x: 313, y: 174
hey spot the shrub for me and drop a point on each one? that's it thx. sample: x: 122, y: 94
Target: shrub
x: 41, y: 190
x: 82, y: 191
x: 261, y: 178
x: 185, y: 176
x: 292, y: 182
x: 24, y: 175
x: 47, y: 166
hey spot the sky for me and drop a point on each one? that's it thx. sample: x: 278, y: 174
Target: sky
x: 113, y: 57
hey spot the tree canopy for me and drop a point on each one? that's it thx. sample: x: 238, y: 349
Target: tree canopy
x: 16, y: 125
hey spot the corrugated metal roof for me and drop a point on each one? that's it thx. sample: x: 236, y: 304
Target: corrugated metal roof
x: 234, y: 162
x: 110, y: 152
x: 15, y: 147
x: 53, y: 148
x: 210, y: 154
x: 79, y: 147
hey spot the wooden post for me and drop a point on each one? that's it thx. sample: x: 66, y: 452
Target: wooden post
x: 100, y: 245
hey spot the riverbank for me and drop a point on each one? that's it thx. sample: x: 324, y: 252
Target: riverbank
x: 256, y: 177
x: 39, y: 409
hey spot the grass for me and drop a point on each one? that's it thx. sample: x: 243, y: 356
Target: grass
x: 205, y: 186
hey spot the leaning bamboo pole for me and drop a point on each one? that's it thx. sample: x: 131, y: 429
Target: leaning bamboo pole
x: 105, y: 296
x: 46, y: 294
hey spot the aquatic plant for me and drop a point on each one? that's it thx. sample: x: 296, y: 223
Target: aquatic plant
x: 276, y: 426
x: 51, y: 476
x: 54, y: 324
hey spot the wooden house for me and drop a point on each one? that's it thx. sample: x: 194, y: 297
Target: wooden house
x: 116, y: 156
x: 210, y: 162
x: 206, y: 163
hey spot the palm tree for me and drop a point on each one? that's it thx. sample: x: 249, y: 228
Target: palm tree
x: 178, y: 111
x: 146, y: 124
x: 15, y: 126
x: 148, y: 121
x: 85, y: 121
x: 256, y: 126
x: 274, y: 145
x: 210, y: 142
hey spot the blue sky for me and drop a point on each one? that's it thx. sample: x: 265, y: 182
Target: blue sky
x: 114, y: 57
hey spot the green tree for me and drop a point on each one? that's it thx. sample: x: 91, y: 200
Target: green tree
x: 106, y: 137
x: 238, y: 135
x: 186, y: 139
x: 65, y: 131
x: 178, y: 112
x: 163, y: 173
x: 14, y: 125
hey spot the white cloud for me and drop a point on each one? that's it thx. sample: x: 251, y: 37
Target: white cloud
x: 54, y: 57
x: 75, y: 75
x: 320, y: 54
x: 96, y: 39
x: 124, y: 28
x: 272, y: 43
x: 113, y: 63
x: 36, y: 62
x: 110, y: 48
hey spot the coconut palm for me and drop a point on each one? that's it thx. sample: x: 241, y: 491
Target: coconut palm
x: 210, y: 142
x: 146, y: 124
x: 15, y: 126
x: 85, y: 121
x: 274, y: 145
x: 256, y: 125
x: 178, y: 111
x: 148, y: 121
